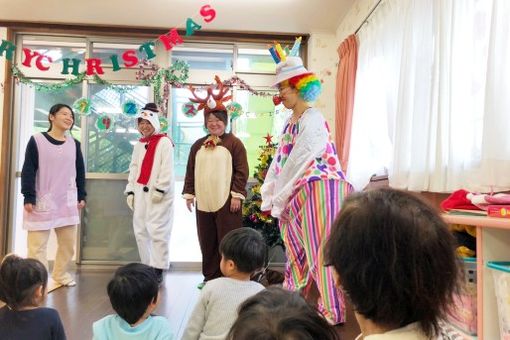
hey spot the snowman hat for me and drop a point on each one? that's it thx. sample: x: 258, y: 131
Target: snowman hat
x: 150, y: 113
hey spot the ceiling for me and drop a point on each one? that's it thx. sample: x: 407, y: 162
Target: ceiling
x: 269, y: 16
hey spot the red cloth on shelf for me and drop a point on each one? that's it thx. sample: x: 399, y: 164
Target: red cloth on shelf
x: 458, y: 200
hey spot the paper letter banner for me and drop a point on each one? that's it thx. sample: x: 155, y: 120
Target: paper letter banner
x: 129, y: 58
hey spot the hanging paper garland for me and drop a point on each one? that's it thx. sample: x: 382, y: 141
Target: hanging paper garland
x: 189, y: 109
x: 104, y: 122
x: 46, y: 87
x: 163, y: 122
x: 234, y: 110
x: 130, y: 108
x: 82, y: 106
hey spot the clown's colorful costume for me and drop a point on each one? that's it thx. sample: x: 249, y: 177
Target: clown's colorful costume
x: 304, y: 188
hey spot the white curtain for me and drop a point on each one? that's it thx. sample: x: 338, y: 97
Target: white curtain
x: 430, y: 101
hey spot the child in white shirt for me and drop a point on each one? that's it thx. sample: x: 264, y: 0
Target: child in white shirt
x: 243, y: 252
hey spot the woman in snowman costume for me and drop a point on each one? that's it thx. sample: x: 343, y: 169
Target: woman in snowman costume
x: 150, y: 190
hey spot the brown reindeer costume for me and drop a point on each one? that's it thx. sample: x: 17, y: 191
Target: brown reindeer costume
x: 217, y: 171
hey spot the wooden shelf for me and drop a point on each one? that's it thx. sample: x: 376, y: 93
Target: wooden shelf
x: 479, y: 221
x: 492, y: 244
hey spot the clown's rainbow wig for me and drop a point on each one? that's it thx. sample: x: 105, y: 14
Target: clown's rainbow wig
x: 308, y: 85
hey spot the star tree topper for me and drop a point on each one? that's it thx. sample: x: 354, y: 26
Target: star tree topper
x: 268, y: 138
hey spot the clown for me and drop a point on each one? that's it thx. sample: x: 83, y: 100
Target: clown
x: 215, y: 181
x: 305, y: 186
x: 150, y: 190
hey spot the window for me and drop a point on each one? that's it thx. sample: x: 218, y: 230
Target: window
x: 185, y: 129
x: 428, y: 100
x: 103, y: 51
x: 56, y: 48
x: 253, y: 64
x: 109, y: 149
x: 255, y: 59
x: 106, y: 233
x: 205, y: 56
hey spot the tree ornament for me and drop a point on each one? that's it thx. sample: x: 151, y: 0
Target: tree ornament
x: 130, y: 108
x: 82, y: 106
x: 234, y: 110
x: 104, y: 122
x: 268, y: 139
x: 163, y: 122
x: 189, y: 109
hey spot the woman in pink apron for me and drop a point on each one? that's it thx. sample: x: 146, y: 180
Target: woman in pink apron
x: 53, y: 185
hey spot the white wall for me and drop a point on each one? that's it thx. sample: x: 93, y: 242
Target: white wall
x: 354, y: 17
x: 323, y: 55
x: 322, y: 60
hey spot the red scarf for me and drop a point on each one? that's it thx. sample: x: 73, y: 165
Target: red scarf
x: 148, y: 159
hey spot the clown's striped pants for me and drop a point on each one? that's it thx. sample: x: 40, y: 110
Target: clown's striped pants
x: 312, y: 211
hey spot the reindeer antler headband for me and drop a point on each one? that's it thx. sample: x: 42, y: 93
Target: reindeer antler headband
x: 213, y: 101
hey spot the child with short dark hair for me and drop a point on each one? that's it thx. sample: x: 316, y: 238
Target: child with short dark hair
x: 243, y: 252
x: 395, y: 259
x: 278, y: 314
x: 23, y: 285
x: 133, y: 292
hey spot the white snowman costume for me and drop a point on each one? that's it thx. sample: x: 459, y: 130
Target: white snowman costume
x: 152, y: 203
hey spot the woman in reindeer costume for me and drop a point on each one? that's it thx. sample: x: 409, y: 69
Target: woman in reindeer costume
x: 150, y: 190
x: 305, y: 186
x: 215, y: 181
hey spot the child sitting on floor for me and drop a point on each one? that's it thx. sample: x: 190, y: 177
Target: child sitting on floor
x: 23, y: 285
x: 243, y: 251
x: 133, y: 292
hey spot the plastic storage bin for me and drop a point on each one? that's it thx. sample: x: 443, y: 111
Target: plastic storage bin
x: 501, y: 274
x: 463, y: 313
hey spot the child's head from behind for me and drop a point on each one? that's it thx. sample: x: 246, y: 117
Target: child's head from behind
x: 395, y: 258
x: 278, y: 314
x: 245, y: 248
x: 132, y: 290
x: 22, y: 282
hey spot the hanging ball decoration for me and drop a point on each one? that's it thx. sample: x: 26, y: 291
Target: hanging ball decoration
x: 104, y: 122
x: 277, y: 100
x: 234, y: 110
x: 82, y: 106
x: 163, y: 122
x: 130, y: 108
x: 189, y: 109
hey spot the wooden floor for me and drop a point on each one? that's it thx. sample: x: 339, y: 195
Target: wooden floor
x: 87, y: 302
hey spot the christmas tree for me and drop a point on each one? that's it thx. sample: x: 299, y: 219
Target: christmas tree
x: 252, y: 216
